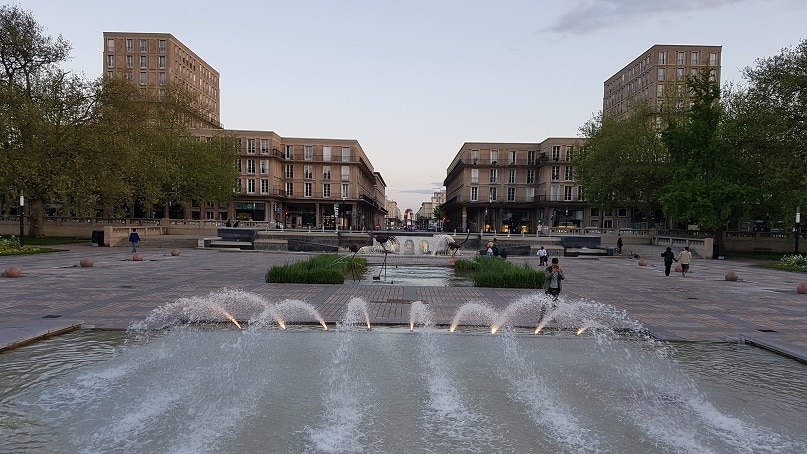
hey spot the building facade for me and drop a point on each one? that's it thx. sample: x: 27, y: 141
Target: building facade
x: 154, y: 60
x: 514, y: 187
x: 650, y: 76
x: 301, y: 183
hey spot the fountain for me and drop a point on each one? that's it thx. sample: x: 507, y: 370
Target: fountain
x: 187, y: 379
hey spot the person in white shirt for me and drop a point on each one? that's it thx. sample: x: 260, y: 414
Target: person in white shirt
x: 684, y: 258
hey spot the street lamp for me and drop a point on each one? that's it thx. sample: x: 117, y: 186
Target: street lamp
x: 797, y: 230
x: 22, y: 220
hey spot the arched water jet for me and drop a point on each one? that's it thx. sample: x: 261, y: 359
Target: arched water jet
x: 477, y: 310
x: 525, y: 309
x: 356, y: 310
x: 294, y: 310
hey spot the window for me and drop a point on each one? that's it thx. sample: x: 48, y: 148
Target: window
x: 679, y: 74
x: 307, y: 190
x: 513, y: 157
x: 289, y: 151
x: 345, y: 191
x: 556, y: 152
x: 210, y: 215
x: 662, y: 74
x: 530, y: 194
x: 569, y: 173
x: 345, y: 154
x: 712, y: 74
x: 713, y: 59
x: 555, y: 173
x: 161, y: 61
x: 567, y: 193
x: 511, y: 178
x: 238, y: 165
x: 595, y: 212
x: 250, y: 146
x: 474, y: 176
x: 129, y: 61
x: 250, y: 166
x: 162, y: 78
x: 250, y: 186
x: 144, y: 61
x: 144, y: 45
x: 308, y: 153
x: 264, y: 167
x: 530, y: 176
x: 569, y: 152
x: 289, y: 170
x: 326, y: 153
x: 162, y: 46
x: 531, y: 157
x: 494, y: 176
x: 308, y: 172
x: 345, y: 173
x: 492, y: 194
x: 622, y: 212
x: 326, y: 190
x: 511, y: 194
x: 494, y: 156
x: 326, y: 172
x: 144, y: 78
x: 264, y: 146
x: 662, y: 58
x: 289, y: 189
x: 681, y: 58
x: 110, y: 61
x: 474, y: 194
x: 238, y: 187
x: 264, y: 186
x: 129, y: 45
x: 475, y: 156
x: 110, y: 45
x: 659, y: 90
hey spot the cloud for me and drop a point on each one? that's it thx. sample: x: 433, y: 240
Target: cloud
x: 587, y: 16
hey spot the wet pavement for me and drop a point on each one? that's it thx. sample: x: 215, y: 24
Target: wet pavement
x: 55, y: 294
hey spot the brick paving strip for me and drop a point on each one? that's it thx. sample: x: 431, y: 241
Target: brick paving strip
x: 55, y: 294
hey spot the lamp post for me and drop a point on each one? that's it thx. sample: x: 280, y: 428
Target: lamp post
x: 798, y: 228
x: 22, y: 220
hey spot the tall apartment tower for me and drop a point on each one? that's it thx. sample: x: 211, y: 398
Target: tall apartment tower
x: 152, y: 60
x: 660, y: 68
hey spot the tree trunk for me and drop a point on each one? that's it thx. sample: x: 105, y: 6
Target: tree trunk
x: 35, y: 214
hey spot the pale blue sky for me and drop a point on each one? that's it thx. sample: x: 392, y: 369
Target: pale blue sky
x: 412, y: 80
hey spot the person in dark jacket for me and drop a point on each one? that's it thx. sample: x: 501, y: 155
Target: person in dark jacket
x: 134, y: 238
x: 669, y: 258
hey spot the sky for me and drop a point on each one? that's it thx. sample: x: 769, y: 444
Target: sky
x: 413, y: 80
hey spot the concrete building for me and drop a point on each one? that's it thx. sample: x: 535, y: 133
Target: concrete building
x: 393, y: 214
x: 301, y: 183
x: 154, y: 60
x: 656, y: 71
x: 514, y: 187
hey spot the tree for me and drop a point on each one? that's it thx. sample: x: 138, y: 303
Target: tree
x: 623, y: 162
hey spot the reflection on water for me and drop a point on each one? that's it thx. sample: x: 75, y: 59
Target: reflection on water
x: 423, y: 276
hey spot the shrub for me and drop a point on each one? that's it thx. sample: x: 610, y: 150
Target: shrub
x: 795, y: 261
x: 495, y: 272
x: 320, y: 269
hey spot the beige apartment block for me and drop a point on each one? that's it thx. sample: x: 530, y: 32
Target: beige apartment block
x: 650, y: 76
x: 514, y: 187
x: 301, y: 183
x: 153, y: 60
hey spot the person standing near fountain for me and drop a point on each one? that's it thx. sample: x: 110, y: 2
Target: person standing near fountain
x: 685, y: 257
x: 554, y: 274
x: 669, y: 257
x: 542, y: 256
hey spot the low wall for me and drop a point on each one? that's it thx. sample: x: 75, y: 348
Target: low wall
x: 699, y: 246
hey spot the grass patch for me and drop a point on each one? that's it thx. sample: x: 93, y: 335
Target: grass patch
x: 320, y: 269
x: 10, y: 245
x: 497, y: 273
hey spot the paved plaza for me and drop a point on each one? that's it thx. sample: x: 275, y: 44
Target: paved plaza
x: 54, y: 293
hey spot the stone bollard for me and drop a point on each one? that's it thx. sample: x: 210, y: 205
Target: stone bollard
x: 174, y: 252
x: 86, y: 263
x: 642, y: 262
x: 802, y: 288
x: 13, y: 271
x: 138, y: 257
x: 732, y: 276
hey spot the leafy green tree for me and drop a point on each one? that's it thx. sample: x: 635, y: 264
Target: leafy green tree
x: 623, y: 162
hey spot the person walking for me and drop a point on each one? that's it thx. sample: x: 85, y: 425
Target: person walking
x: 669, y: 257
x: 685, y: 257
x: 619, y: 245
x: 554, y: 275
x: 542, y: 256
x: 134, y: 238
